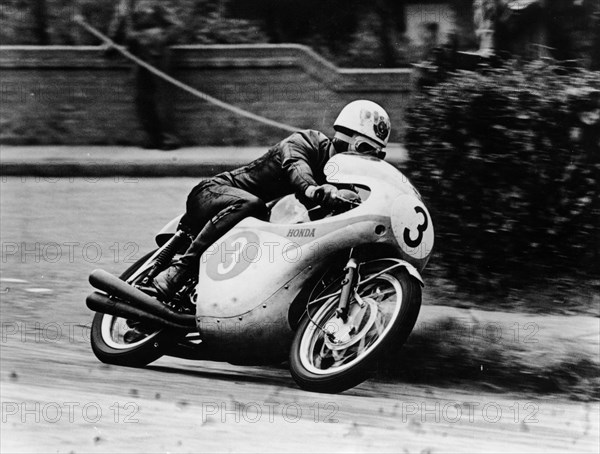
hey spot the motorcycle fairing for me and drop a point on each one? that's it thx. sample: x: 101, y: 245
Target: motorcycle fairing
x: 255, y: 259
x: 254, y: 272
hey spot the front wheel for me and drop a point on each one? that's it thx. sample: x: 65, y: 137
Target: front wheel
x: 330, y: 355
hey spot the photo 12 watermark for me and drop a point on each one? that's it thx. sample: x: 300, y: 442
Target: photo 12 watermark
x: 491, y: 331
x: 91, y: 172
x: 44, y: 333
x: 469, y: 412
x: 68, y: 252
x: 269, y: 412
x: 70, y: 412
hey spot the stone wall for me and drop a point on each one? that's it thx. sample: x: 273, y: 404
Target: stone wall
x: 73, y: 95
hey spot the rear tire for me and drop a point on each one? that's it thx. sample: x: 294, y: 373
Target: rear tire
x: 106, y: 336
x: 320, y: 364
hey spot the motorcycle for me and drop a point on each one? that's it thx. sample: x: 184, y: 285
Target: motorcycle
x: 328, y: 291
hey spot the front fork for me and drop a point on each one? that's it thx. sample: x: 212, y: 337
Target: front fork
x: 348, y: 285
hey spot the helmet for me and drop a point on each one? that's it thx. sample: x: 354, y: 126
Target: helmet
x: 367, y: 119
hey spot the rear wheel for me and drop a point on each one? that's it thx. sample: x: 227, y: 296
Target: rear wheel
x: 330, y: 355
x: 109, y: 334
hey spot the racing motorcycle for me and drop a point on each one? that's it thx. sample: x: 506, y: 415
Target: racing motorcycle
x: 330, y: 291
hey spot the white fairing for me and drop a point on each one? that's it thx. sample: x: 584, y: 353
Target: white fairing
x: 260, y: 266
x: 392, y: 195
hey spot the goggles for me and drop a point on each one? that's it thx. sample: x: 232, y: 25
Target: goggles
x: 362, y: 145
x: 365, y: 146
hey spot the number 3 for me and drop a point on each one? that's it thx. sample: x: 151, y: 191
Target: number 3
x: 420, y: 228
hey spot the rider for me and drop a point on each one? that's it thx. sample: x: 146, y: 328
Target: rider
x: 294, y: 165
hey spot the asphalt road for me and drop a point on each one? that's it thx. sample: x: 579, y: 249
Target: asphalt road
x: 57, y: 397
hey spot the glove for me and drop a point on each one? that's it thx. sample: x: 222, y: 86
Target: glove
x: 325, y: 195
x: 348, y: 195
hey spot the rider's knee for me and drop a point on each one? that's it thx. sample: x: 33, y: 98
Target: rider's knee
x: 253, y: 206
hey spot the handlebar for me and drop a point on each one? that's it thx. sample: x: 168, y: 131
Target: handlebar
x: 319, y: 197
x: 348, y: 201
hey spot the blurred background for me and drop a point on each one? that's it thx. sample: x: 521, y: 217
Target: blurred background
x: 349, y: 33
x: 497, y: 103
x: 506, y: 151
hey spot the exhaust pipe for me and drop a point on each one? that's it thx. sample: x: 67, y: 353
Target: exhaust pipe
x: 138, y: 300
x: 99, y: 302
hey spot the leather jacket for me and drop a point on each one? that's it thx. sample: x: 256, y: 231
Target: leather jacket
x: 291, y: 166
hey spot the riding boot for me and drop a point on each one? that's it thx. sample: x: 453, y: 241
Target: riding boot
x: 170, y: 281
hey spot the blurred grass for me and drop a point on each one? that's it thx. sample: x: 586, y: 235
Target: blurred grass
x: 554, y: 366
x: 574, y: 294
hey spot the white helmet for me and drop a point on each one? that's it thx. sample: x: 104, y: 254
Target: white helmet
x: 366, y: 118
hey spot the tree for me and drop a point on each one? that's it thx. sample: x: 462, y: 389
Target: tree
x: 40, y: 15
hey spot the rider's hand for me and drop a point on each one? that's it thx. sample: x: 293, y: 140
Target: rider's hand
x: 325, y: 195
x: 349, y: 197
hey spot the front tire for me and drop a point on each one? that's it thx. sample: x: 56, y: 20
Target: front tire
x: 108, y: 331
x: 331, y: 356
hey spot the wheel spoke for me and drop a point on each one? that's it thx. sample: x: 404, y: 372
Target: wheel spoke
x: 379, y: 299
x: 378, y: 296
x: 340, y: 357
x: 379, y: 326
x: 361, y: 344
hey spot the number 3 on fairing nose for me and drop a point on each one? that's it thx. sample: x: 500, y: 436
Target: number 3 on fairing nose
x: 420, y: 229
x: 412, y: 226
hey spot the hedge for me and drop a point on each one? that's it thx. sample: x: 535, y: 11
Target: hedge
x: 509, y: 160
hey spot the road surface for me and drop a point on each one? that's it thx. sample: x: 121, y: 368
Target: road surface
x: 57, y: 397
